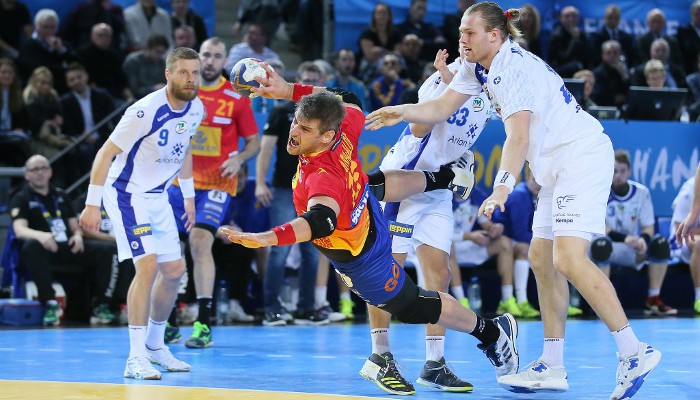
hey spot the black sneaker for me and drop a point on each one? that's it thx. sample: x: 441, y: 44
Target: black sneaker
x: 310, y: 318
x: 384, y: 371
x: 437, y: 374
x: 273, y: 319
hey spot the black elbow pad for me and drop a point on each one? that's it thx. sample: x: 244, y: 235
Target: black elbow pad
x: 321, y: 219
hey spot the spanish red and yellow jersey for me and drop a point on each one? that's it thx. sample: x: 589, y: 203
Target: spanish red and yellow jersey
x: 228, y: 116
x: 337, y: 173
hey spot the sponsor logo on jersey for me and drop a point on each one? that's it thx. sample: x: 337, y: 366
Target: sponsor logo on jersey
x: 134, y: 245
x: 139, y: 113
x: 478, y: 104
x: 178, y: 149
x: 564, y: 220
x: 399, y: 229
x: 180, y: 127
x: 497, y: 80
x: 357, y: 212
x: 162, y: 117
x: 141, y: 230
x: 393, y: 282
x: 213, y: 207
x: 217, y: 196
x: 563, y: 200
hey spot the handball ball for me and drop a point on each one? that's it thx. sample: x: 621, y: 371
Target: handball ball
x: 243, y: 76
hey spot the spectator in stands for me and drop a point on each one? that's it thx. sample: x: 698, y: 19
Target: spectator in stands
x: 410, y: 96
x: 45, y: 49
x: 588, y: 85
x: 654, y: 74
x: 689, y: 39
x: 143, y: 20
x: 660, y: 50
x: 278, y: 197
x: 42, y: 216
x: 630, y: 240
x: 410, y: 51
x: 344, y: 62
x: 529, y: 25
x: 612, y: 78
x: 611, y: 31
x: 693, y: 81
x: 184, y: 36
x: 84, y: 107
x: 183, y: 15
x: 379, y: 38
x: 14, y: 118
x: 685, y: 211
x: 430, y: 36
x: 307, y: 39
x: 265, y: 13
x: 656, y: 22
x: 15, y: 27
x: 450, y: 25
x: 387, y: 89
x: 104, y: 63
x: 78, y: 26
x: 569, y: 50
x: 263, y: 104
x: 253, y: 45
x: 144, y: 69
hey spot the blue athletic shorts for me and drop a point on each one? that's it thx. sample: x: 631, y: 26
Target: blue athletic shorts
x: 210, y: 208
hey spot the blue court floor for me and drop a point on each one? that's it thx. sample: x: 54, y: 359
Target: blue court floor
x: 281, y: 362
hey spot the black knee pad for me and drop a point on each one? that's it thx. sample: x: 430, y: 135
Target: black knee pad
x: 601, y: 249
x: 659, y: 249
x: 376, y: 184
x: 415, y: 305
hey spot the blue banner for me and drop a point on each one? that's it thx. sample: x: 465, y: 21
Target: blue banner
x: 664, y: 154
x: 353, y: 16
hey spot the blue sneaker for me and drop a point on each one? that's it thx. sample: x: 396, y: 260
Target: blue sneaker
x: 632, y: 371
x: 172, y: 334
x: 502, y: 353
x: 536, y: 377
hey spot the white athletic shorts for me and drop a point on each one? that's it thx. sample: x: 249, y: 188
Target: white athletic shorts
x: 683, y: 253
x: 143, y: 224
x: 468, y: 252
x: 428, y: 217
x: 575, y: 201
x: 625, y: 256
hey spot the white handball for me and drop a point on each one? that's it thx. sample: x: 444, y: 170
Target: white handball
x: 243, y: 76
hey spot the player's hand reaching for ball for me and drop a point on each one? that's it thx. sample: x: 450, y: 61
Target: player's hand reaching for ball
x: 274, y: 86
x: 250, y: 240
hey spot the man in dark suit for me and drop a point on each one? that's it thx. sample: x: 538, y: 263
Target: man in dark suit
x: 572, y: 44
x: 104, y: 64
x: 611, y: 77
x: 660, y: 50
x: 83, y: 108
x: 689, y: 39
x: 611, y: 30
x: 656, y: 22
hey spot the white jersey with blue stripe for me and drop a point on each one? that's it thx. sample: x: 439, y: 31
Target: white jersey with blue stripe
x: 154, y: 140
x: 629, y: 213
x: 520, y: 81
x: 448, y: 140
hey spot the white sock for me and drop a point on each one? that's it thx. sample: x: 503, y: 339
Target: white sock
x: 320, y: 296
x: 654, y: 292
x: 506, y: 292
x: 697, y: 293
x: 380, y: 340
x: 345, y: 296
x: 521, y: 274
x: 137, y: 340
x: 155, y: 336
x: 434, y: 348
x: 627, y: 342
x: 553, y: 352
x: 457, y: 292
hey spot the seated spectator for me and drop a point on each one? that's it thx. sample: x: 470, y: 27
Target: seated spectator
x: 410, y: 52
x: 145, y: 69
x: 571, y: 44
x: 689, y: 39
x: 143, y: 20
x: 379, y: 38
x: 630, y: 240
x: 43, y: 217
x: 654, y: 74
x: 263, y: 104
x: 429, y: 35
x: 588, y: 85
x: 656, y: 23
x: 410, y: 96
x: 344, y: 62
x: 184, y: 36
x: 265, y: 13
x: 104, y: 64
x: 529, y: 25
x: 15, y: 27
x: 387, y: 89
x: 690, y: 252
x: 14, y: 118
x: 612, y: 79
x: 675, y: 76
x: 693, y: 81
x: 45, y: 49
x: 77, y: 27
x: 84, y: 107
x: 451, y: 22
x: 183, y: 15
x: 252, y: 46
x: 611, y: 31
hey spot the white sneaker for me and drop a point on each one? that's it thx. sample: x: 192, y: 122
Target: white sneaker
x: 632, y: 371
x: 236, y: 313
x: 165, y: 359
x: 502, y: 353
x: 536, y: 377
x: 139, y: 367
x: 463, y: 182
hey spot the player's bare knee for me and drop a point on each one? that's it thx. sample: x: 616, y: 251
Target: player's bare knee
x: 173, y: 270
x: 505, y: 245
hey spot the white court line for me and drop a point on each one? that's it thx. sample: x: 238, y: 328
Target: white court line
x: 52, y: 350
x: 8, y: 349
x: 682, y: 372
x: 234, y: 354
x: 280, y: 355
x: 97, y: 351
x: 590, y: 367
x: 323, y: 356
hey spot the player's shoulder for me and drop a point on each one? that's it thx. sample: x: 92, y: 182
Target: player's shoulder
x: 149, y: 104
x: 640, y: 188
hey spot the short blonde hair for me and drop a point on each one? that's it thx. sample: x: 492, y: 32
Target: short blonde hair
x: 653, y: 66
